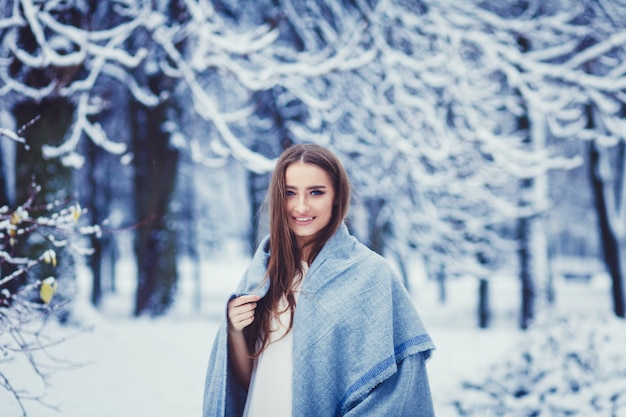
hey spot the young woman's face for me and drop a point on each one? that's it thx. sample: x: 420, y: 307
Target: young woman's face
x: 309, y: 201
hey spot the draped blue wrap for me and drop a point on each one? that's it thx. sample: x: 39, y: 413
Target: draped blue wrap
x: 354, y: 326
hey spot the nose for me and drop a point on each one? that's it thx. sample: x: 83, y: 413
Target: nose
x: 301, y: 204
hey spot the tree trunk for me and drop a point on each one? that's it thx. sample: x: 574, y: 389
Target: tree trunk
x: 376, y: 233
x: 194, y: 244
x: 4, y: 186
x: 95, y: 259
x: 610, y: 240
x: 523, y: 238
x: 441, y: 283
x: 540, y: 201
x: 155, y: 163
x: 257, y: 188
x: 484, y: 310
x: 523, y: 232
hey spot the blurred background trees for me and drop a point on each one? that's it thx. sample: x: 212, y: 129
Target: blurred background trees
x: 486, y: 139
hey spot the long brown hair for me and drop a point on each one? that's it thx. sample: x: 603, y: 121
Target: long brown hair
x: 285, y: 255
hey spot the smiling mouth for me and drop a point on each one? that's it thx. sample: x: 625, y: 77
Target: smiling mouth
x: 303, y: 220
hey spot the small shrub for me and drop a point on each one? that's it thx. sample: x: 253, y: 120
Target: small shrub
x: 568, y: 365
x: 28, y: 285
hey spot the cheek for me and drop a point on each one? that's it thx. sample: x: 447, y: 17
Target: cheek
x: 330, y: 209
x: 288, y: 204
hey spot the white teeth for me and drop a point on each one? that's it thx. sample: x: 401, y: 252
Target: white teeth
x: 304, y: 219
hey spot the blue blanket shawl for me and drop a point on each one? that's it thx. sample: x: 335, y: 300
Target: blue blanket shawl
x: 353, y: 325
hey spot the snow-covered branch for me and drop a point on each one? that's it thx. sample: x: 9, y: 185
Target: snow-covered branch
x: 440, y: 86
x: 254, y: 57
x: 28, y: 298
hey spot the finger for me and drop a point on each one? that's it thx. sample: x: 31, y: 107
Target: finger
x: 242, y: 307
x: 244, y: 299
x: 242, y: 321
x: 247, y: 319
x: 243, y: 311
x: 246, y: 323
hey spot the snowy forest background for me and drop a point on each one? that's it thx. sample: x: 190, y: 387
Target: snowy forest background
x: 484, y: 141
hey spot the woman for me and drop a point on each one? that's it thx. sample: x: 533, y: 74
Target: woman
x: 319, y: 325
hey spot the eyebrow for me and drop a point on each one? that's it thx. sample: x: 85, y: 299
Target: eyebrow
x: 312, y: 187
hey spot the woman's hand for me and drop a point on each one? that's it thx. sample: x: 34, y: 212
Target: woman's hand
x: 241, y: 311
x: 240, y: 315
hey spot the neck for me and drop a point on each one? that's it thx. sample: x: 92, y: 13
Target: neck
x: 304, y: 253
x: 304, y: 246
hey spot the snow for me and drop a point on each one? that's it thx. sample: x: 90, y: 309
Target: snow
x: 129, y: 368
x: 155, y: 367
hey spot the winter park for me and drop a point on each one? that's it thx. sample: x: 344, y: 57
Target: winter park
x: 485, y: 146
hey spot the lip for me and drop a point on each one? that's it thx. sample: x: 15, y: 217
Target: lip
x: 303, y: 221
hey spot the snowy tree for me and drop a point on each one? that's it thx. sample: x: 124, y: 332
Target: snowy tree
x: 30, y: 291
x: 602, y: 55
x: 555, y: 63
x: 573, y: 76
x: 447, y: 114
x: 430, y: 135
x: 450, y: 131
x: 159, y: 55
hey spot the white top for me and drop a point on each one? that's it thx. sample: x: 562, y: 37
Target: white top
x: 269, y: 394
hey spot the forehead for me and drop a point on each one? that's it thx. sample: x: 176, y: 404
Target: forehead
x: 302, y: 174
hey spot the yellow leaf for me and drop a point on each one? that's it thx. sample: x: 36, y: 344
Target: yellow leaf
x: 76, y: 212
x: 16, y: 218
x: 47, y: 289
x: 50, y: 257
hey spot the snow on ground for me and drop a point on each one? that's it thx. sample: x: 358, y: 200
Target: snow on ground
x: 155, y: 368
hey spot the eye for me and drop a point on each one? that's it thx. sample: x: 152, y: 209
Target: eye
x: 317, y: 192
x: 289, y: 193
